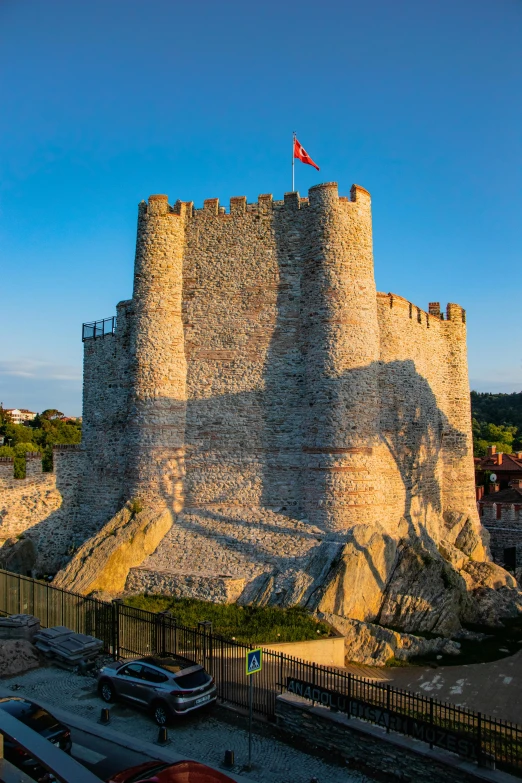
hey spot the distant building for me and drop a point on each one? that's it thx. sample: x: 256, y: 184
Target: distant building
x: 501, y: 514
x: 20, y: 415
x: 504, y: 467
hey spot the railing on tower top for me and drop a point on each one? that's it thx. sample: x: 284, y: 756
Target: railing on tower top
x: 127, y: 632
x: 94, y: 329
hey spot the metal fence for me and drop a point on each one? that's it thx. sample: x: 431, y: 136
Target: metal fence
x: 127, y: 631
x: 94, y: 329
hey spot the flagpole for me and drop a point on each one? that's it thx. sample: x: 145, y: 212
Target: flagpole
x: 293, y: 162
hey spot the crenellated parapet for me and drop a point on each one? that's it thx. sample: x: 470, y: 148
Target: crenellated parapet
x: 239, y: 205
x: 454, y: 312
x: 62, y: 454
x: 33, y: 469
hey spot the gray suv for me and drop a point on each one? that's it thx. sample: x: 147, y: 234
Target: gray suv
x: 166, y: 685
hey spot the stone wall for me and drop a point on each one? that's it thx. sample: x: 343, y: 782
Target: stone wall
x: 44, y: 506
x: 106, y: 388
x: 505, y: 532
x: 24, y: 503
x: 221, y: 589
x: 369, y: 749
x: 425, y: 460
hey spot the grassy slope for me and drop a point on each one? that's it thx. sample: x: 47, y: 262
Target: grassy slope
x: 248, y: 624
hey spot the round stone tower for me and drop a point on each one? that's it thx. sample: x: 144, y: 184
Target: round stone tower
x: 341, y: 346
x: 156, y: 428
x: 457, y: 441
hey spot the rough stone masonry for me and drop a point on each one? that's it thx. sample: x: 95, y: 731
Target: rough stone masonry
x: 309, y: 437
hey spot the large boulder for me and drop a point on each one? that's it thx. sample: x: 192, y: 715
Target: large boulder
x: 103, y: 562
x: 354, y: 583
x: 466, y: 534
x: 425, y: 593
x: 494, y: 593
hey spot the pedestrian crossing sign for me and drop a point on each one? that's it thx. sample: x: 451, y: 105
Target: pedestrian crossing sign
x: 253, y: 661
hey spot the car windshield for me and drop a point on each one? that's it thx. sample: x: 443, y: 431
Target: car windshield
x: 31, y: 714
x: 193, y: 679
x: 173, y: 665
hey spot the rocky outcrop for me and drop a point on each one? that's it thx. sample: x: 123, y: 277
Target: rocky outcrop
x: 493, y: 592
x: 364, y: 578
x: 354, y: 585
x: 467, y: 535
x: 102, y: 564
x: 424, y: 593
x: 374, y: 645
x: 413, y: 586
x: 18, y: 555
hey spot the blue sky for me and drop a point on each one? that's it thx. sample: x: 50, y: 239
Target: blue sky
x: 104, y: 102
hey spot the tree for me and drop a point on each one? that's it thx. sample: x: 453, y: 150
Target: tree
x: 486, y: 434
x: 500, y: 409
x: 50, y: 414
x: 5, y: 417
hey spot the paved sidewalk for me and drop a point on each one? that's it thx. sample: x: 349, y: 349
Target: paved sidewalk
x: 493, y: 688
x: 198, y: 736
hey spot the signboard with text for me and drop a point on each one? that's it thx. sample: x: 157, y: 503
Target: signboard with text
x: 465, y: 745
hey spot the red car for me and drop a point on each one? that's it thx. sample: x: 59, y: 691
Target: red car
x: 180, y: 772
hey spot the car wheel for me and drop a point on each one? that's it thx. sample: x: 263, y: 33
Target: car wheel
x: 161, y: 713
x: 107, y: 691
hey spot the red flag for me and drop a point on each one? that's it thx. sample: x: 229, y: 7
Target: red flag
x: 302, y: 154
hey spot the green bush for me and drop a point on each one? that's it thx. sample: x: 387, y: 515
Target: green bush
x: 135, y: 505
x: 247, y: 624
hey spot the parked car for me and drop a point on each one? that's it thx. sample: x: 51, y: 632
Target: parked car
x: 165, y: 685
x: 41, y: 721
x: 180, y: 772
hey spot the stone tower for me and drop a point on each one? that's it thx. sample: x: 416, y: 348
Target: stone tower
x: 341, y: 342
x: 311, y: 436
x: 158, y: 369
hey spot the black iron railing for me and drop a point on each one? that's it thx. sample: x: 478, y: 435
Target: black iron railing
x: 127, y: 631
x: 94, y: 329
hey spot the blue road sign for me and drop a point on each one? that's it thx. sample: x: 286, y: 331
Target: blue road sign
x: 253, y: 661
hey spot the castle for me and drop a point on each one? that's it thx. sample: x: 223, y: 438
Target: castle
x: 256, y: 366
x: 309, y: 436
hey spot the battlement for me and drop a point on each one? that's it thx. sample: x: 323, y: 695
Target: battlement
x: 433, y: 317
x: 238, y: 205
x: 33, y: 467
x: 33, y: 462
